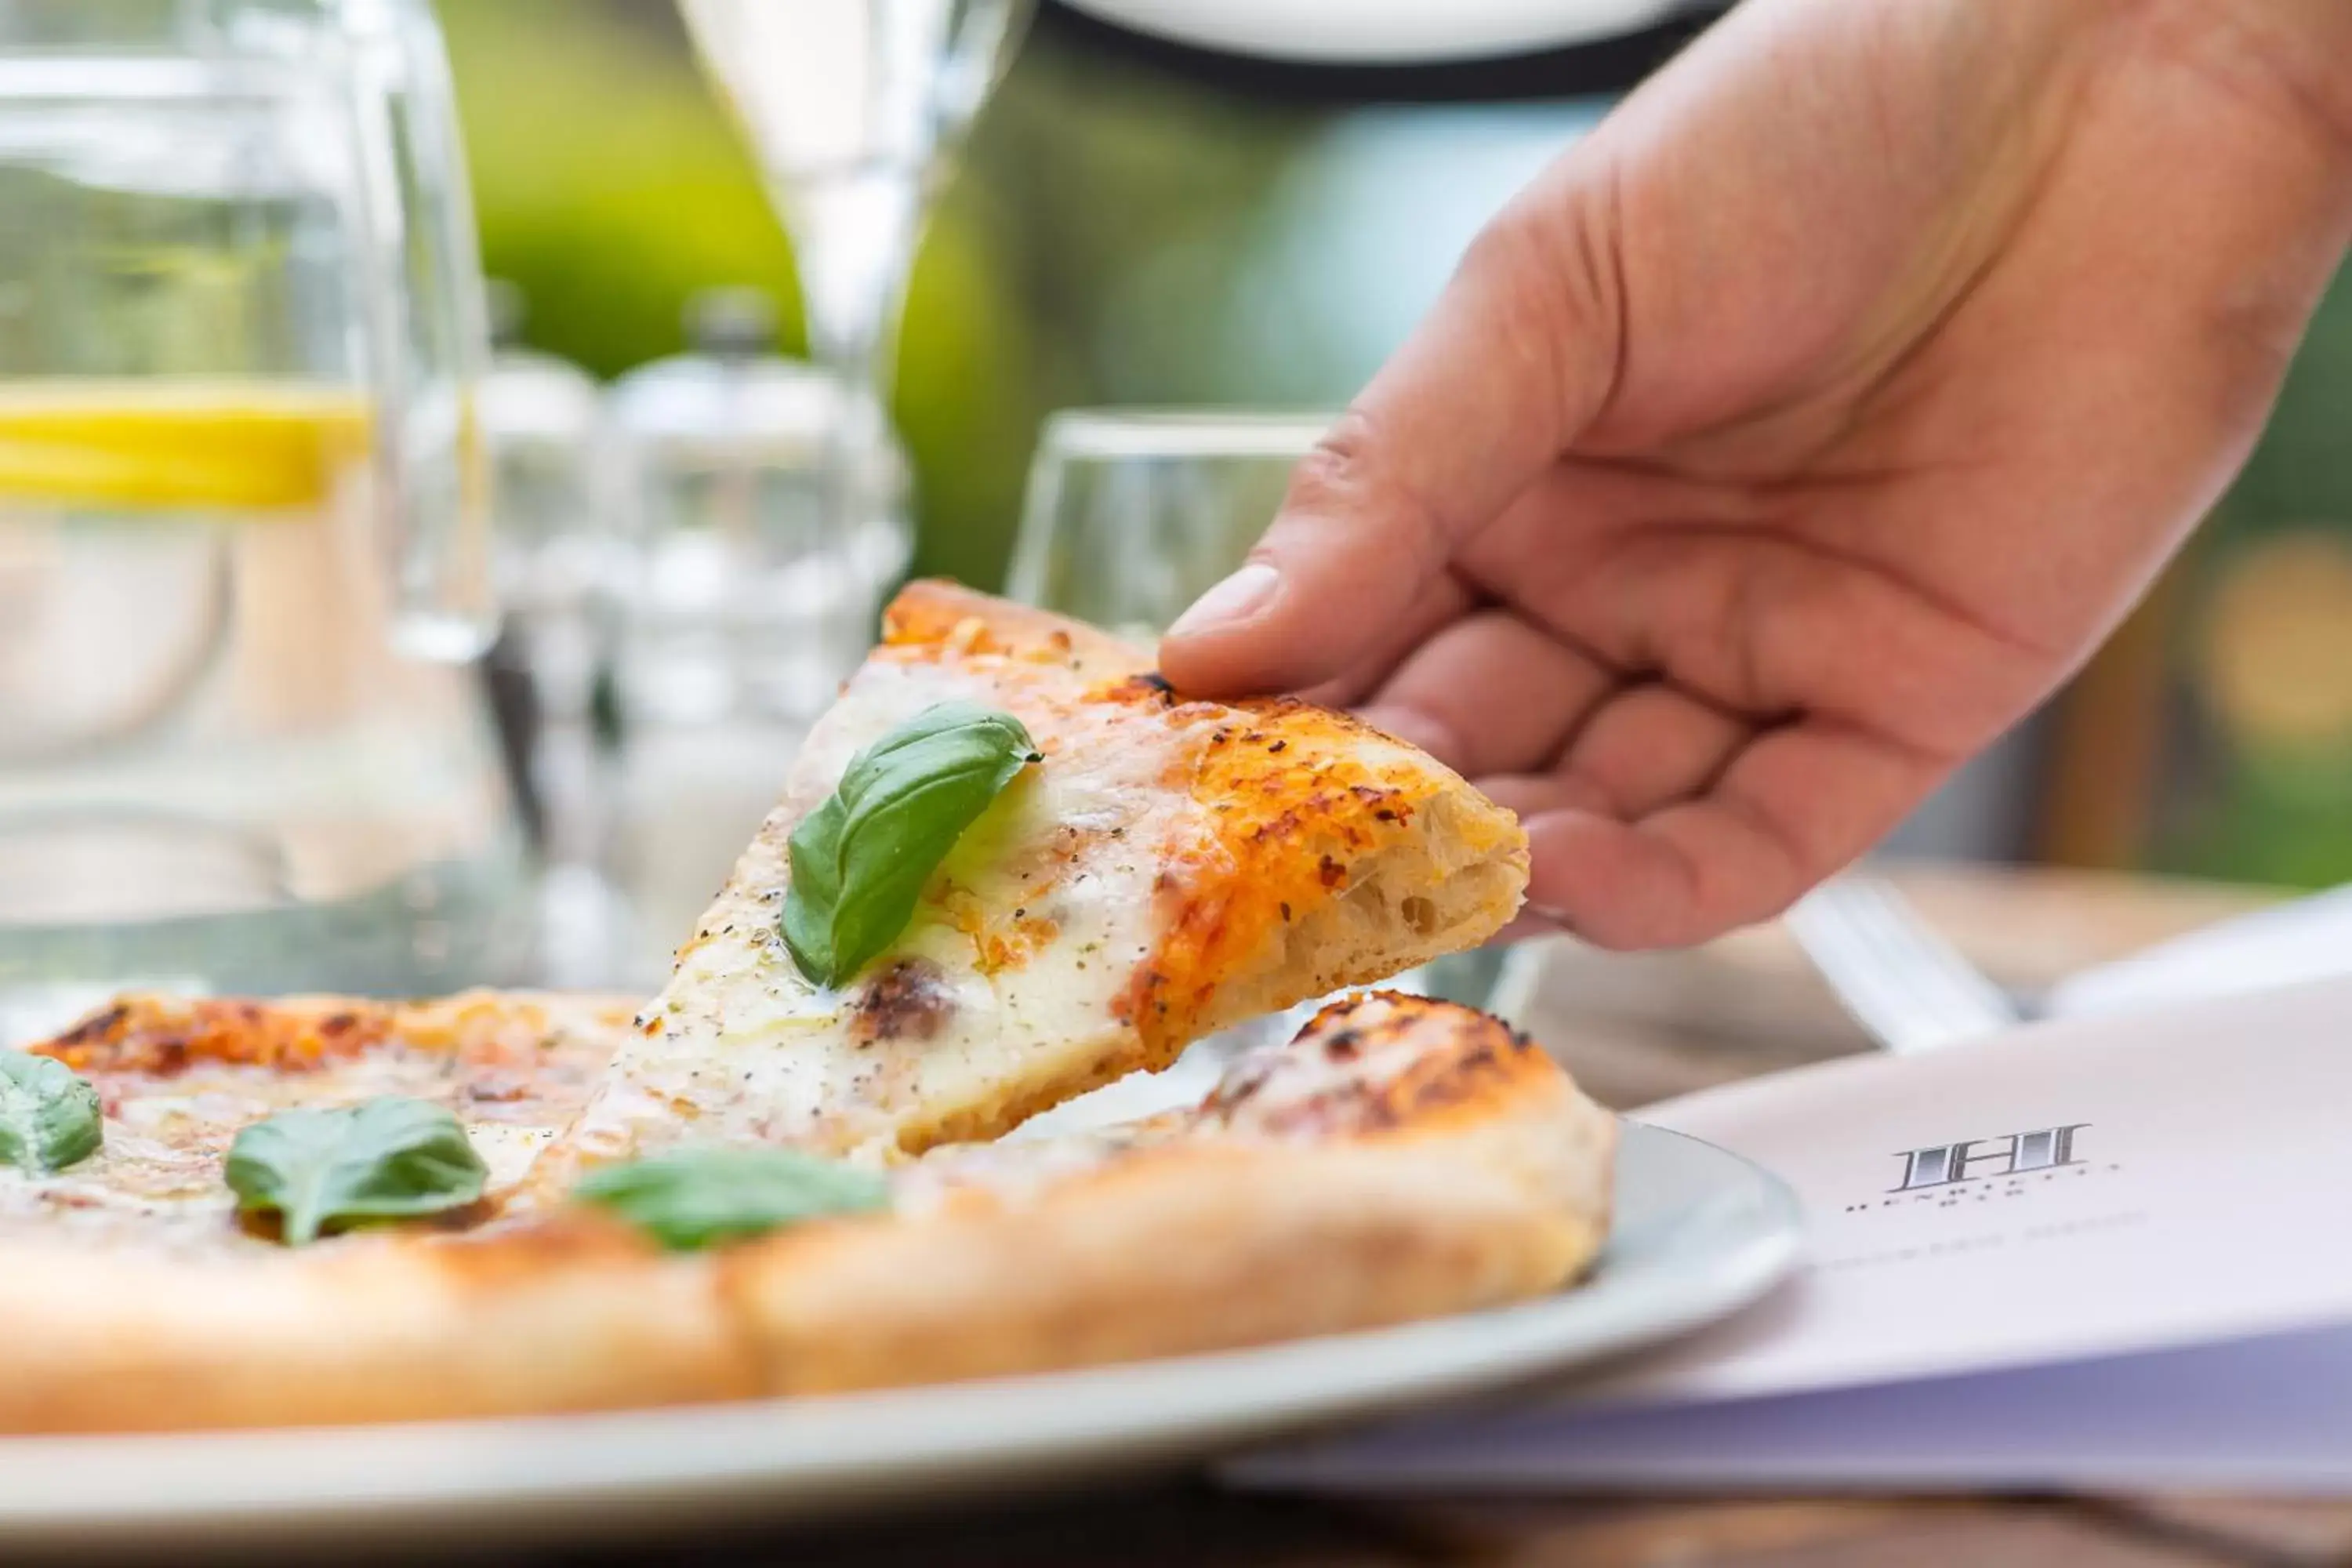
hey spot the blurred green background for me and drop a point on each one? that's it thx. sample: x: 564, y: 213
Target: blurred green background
x: 1070, y: 259
x: 2254, y: 779
x: 1120, y: 234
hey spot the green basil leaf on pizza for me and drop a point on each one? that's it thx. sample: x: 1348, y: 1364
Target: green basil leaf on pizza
x: 49, y: 1117
x: 859, y: 861
x: 390, y: 1158
x: 697, y: 1197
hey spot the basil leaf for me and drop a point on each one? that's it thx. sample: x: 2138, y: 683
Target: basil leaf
x: 860, y: 860
x: 697, y: 1196
x: 49, y: 1117
x: 382, y: 1159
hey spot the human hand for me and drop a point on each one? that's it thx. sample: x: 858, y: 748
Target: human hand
x: 1803, y: 426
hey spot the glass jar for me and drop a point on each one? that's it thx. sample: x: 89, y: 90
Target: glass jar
x: 244, y: 548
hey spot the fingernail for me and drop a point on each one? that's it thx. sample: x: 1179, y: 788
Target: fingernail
x: 1236, y: 598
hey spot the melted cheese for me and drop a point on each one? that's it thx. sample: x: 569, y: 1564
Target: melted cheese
x: 158, y: 1179
x: 1017, y: 953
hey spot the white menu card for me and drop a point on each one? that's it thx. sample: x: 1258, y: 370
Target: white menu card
x: 2109, y: 1250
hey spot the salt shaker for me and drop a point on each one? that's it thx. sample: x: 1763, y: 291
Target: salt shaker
x: 542, y: 422
x: 746, y: 606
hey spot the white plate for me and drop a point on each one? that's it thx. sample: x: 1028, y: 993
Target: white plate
x: 1699, y: 1233
x: 1381, y: 32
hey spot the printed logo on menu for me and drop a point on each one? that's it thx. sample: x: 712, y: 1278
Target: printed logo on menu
x: 1980, y: 1170
x: 1981, y: 1159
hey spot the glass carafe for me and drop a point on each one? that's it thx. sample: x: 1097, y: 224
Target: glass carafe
x: 244, y: 570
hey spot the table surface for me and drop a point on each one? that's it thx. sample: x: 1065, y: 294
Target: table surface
x: 1638, y: 1049
x: 1184, y: 1523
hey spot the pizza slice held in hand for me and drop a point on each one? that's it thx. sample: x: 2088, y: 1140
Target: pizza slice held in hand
x: 1011, y: 864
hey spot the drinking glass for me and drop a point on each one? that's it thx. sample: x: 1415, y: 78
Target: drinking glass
x: 244, y: 563
x: 850, y: 108
x: 1131, y: 514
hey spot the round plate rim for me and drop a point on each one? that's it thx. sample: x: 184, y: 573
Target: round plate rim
x: 1401, y: 32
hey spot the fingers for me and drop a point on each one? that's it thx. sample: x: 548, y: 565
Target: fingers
x: 1793, y: 806
x: 1762, y: 615
x: 1651, y: 747
x: 1442, y: 600
x: 1491, y: 694
x: 1520, y: 354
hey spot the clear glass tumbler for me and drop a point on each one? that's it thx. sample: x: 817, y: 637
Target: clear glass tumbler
x: 1131, y: 513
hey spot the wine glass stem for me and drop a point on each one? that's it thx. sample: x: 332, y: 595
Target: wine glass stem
x: 853, y: 240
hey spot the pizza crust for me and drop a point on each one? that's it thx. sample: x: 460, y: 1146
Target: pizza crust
x: 1186, y: 1250
x: 375, y: 1330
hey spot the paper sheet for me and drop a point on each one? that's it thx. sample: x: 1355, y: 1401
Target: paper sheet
x: 2270, y: 1414
x: 2088, y: 1190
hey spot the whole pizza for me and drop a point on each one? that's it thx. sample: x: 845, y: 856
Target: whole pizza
x: 1011, y: 864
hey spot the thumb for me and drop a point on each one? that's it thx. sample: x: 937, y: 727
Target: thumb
x: 1517, y: 355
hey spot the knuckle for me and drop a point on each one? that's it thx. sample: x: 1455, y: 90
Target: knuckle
x: 1335, y: 470
x: 1511, y: 253
x: 1549, y: 267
